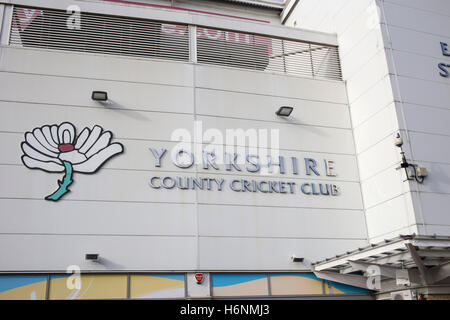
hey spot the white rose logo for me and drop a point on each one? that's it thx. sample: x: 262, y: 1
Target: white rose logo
x: 54, y: 148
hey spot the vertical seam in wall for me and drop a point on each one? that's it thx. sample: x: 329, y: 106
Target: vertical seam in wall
x: 357, y: 167
x: 186, y: 289
x: 402, y: 113
x: 193, y: 60
x: 128, y: 286
x: 47, y: 288
x: 2, y: 14
x: 210, y: 275
x: 197, y: 222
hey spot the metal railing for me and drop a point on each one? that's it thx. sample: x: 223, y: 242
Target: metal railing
x: 124, y: 36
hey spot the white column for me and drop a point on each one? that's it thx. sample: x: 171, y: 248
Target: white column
x: 6, y: 12
x: 192, y: 43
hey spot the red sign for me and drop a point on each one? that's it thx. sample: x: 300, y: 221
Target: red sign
x: 199, y: 278
x: 25, y: 17
x: 214, y: 34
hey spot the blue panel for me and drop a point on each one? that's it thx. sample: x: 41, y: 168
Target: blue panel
x: 58, y: 277
x: 12, y: 282
x: 223, y: 280
x: 304, y: 275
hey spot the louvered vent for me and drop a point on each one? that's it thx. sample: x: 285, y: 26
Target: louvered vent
x: 44, y: 28
x: 243, y: 50
x: 98, y: 34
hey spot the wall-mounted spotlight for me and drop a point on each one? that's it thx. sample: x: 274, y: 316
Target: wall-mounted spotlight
x: 99, y: 95
x: 418, y: 173
x: 296, y: 259
x: 284, y: 111
x: 92, y: 256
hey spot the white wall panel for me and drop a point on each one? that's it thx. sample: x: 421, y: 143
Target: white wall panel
x: 372, y: 101
x: 232, y: 221
x: 436, y: 208
x: 313, y: 17
x: 414, y: 19
x: 438, y: 179
x: 359, y: 55
x: 391, y: 215
x: 437, y: 6
x: 417, y: 42
x: 96, y: 218
x: 377, y: 158
x: 420, y: 67
x: 377, y: 128
x: 260, y: 107
x: 424, y: 92
x: 353, y: 24
x: 77, y: 92
x: 270, y: 84
x: 430, y: 147
x: 19, y: 117
x: 438, y: 229
x: 95, y: 66
x: 264, y: 253
x: 383, y: 187
x: 360, y: 83
x: 292, y: 136
x: 57, y: 252
x: 350, y: 11
x: 427, y: 119
x: 349, y: 197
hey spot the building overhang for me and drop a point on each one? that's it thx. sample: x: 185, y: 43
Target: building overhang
x: 409, y: 260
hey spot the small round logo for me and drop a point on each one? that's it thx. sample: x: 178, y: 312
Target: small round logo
x: 199, y: 278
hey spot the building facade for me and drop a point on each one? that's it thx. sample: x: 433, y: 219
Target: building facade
x: 146, y: 153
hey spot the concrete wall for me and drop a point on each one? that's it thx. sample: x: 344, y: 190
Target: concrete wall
x: 390, y: 51
x: 414, y: 30
x: 133, y: 227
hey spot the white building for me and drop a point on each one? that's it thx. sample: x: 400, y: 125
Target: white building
x: 95, y: 96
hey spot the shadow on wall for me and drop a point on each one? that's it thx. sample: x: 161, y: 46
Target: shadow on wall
x: 311, y: 128
x: 108, y: 264
x: 117, y: 107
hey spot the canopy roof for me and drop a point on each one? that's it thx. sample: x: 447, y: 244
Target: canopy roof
x: 425, y: 259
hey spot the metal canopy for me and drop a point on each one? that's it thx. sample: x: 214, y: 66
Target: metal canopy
x: 425, y: 259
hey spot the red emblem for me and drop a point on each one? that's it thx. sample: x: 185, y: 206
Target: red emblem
x: 199, y: 278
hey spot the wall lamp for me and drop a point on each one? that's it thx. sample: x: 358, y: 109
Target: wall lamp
x: 92, y: 256
x: 418, y: 173
x: 284, y: 111
x: 99, y: 95
x: 296, y: 259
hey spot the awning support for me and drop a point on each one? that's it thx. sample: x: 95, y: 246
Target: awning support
x: 348, y: 279
x: 419, y: 263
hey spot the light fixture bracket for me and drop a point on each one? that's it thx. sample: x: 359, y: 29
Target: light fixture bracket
x: 284, y: 111
x: 99, y: 96
x: 92, y: 256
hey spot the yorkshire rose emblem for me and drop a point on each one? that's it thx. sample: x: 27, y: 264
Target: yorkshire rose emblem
x: 54, y: 148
